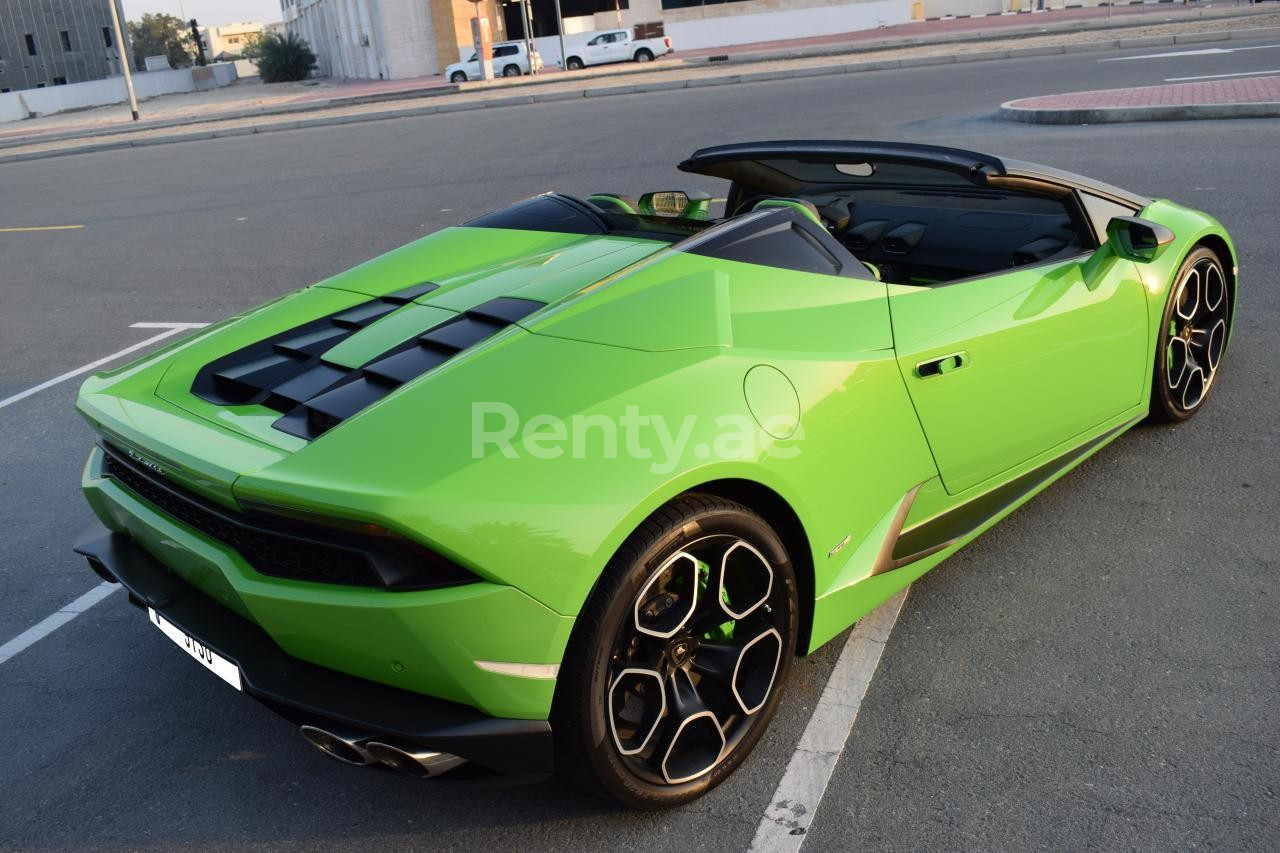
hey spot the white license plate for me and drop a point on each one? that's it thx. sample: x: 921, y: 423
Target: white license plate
x: 212, y: 661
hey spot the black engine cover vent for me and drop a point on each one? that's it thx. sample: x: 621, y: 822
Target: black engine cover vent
x: 285, y: 369
x: 357, y: 389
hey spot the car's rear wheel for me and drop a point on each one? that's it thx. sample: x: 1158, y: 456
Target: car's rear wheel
x: 676, y: 664
x: 458, y: 77
x: 1193, y: 337
x: 644, y: 55
x: 511, y: 71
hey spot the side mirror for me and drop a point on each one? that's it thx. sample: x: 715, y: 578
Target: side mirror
x: 1137, y: 239
x: 664, y: 203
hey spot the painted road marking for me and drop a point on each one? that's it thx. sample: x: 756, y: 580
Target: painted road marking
x: 1220, y: 76
x: 53, y: 622
x: 1203, y: 52
x: 798, y: 795
x: 171, y: 329
x: 41, y: 228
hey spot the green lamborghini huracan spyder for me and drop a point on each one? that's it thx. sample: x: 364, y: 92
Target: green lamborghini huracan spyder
x: 569, y: 486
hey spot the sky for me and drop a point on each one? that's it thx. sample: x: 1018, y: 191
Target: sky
x: 210, y: 13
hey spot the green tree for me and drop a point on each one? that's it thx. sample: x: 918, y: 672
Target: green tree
x: 283, y: 58
x: 160, y: 35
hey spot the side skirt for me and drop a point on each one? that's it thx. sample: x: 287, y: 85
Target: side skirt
x: 902, y: 547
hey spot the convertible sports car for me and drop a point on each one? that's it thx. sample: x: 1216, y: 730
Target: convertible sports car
x: 569, y: 486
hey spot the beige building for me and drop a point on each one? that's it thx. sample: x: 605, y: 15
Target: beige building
x: 229, y: 42
x: 387, y: 39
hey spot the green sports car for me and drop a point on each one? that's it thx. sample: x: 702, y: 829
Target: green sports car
x: 569, y: 486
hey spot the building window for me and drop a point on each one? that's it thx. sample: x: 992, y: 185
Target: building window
x: 59, y: 81
x: 66, y: 40
x: 31, y: 45
x: 106, y: 36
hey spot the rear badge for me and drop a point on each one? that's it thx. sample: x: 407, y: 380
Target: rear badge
x: 144, y: 462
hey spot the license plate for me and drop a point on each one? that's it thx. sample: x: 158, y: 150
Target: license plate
x: 212, y: 661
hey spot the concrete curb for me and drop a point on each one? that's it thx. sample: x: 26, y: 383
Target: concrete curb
x: 1164, y: 112
x: 648, y: 87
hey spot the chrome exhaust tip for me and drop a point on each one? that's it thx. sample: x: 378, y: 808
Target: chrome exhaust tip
x: 413, y: 760
x: 346, y: 746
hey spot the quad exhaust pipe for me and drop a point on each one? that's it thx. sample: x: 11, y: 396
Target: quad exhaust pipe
x: 352, y: 746
x: 414, y: 760
x: 346, y: 745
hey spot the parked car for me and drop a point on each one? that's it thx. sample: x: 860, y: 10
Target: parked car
x: 510, y: 59
x: 617, y: 46
x: 312, y: 499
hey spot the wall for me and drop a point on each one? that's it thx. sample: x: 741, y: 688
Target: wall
x: 88, y: 57
x: 723, y: 24
x: 15, y: 106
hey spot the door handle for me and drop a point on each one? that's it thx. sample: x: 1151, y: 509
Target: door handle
x: 942, y: 364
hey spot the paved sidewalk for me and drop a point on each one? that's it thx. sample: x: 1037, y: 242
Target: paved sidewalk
x: 1242, y: 97
x: 250, y: 98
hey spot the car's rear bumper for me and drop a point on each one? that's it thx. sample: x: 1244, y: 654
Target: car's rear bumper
x: 309, y: 694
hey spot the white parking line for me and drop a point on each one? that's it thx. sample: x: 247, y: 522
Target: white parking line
x: 1220, y: 76
x: 171, y: 329
x: 797, y: 797
x: 53, y: 622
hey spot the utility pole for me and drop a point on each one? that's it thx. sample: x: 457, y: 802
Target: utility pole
x: 124, y: 58
x: 564, y: 59
x: 526, y: 18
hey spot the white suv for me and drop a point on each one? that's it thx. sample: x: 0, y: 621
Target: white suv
x: 510, y: 59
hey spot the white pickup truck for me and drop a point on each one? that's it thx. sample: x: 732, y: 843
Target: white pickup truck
x: 616, y: 46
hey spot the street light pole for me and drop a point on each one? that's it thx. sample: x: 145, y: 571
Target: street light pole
x: 124, y: 59
x: 526, y: 18
x: 564, y: 60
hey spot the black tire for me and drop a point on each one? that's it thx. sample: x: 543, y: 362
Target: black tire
x: 605, y: 693
x: 573, y: 63
x: 644, y: 55
x: 1194, y: 329
x: 458, y: 77
x: 511, y: 71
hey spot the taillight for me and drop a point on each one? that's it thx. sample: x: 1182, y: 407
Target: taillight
x: 667, y: 41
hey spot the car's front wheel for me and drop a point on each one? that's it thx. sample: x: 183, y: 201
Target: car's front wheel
x: 573, y: 63
x: 677, y: 661
x: 1193, y: 337
x: 458, y: 77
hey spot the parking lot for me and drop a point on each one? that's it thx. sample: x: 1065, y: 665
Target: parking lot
x: 1100, y: 670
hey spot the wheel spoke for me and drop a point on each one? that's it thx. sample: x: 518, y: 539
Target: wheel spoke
x: 670, y: 596
x: 1189, y: 297
x: 746, y: 579
x: 1217, y: 338
x: 1193, y: 387
x: 693, y: 738
x: 1178, y: 358
x: 1215, y: 288
x: 747, y: 669
x: 637, y: 704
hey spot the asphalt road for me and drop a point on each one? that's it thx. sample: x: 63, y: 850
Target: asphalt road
x: 1099, y: 671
